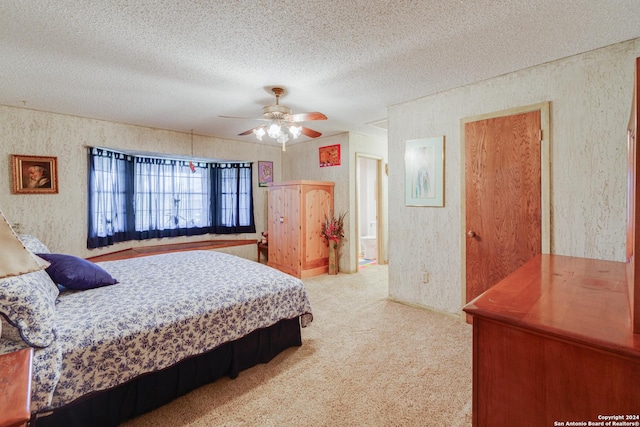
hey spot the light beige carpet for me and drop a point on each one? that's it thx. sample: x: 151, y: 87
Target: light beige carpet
x: 364, y: 361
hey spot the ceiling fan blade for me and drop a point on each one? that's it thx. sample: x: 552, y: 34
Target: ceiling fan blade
x: 310, y: 132
x: 243, y: 118
x: 304, y: 117
x: 250, y: 131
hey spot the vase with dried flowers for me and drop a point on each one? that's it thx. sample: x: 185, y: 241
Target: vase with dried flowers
x: 333, y: 232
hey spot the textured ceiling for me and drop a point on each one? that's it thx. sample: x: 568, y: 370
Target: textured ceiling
x: 178, y: 64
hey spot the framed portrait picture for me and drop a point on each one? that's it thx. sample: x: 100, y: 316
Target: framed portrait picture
x: 424, y: 169
x: 329, y: 155
x: 34, y: 174
x: 265, y: 173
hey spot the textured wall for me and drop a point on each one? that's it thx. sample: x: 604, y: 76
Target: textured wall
x: 60, y: 220
x: 590, y: 96
x: 301, y: 162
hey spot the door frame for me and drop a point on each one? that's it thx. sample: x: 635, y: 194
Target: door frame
x: 379, y: 218
x: 545, y: 184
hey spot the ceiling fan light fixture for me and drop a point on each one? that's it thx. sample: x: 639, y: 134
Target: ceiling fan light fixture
x: 295, y: 131
x: 259, y: 133
x: 275, y: 130
x: 281, y: 124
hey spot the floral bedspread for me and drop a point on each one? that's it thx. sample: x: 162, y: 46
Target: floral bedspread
x: 164, y: 308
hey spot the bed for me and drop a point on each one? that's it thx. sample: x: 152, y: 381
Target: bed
x: 171, y: 323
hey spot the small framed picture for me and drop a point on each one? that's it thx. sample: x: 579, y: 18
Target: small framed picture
x: 424, y: 168
x: 329, y: 155
x: 34, y: 174
x: 265, y: 173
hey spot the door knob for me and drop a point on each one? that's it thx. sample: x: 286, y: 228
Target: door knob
x: 471, y: 233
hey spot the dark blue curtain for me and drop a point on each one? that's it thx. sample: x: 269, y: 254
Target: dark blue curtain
x: 232, y: 200
x: 111, y: 216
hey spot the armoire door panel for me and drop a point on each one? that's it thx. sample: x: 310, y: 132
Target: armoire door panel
x: 318, y: 205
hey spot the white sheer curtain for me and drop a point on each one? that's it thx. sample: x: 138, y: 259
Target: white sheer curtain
x: 233, y: 200
x: 168, y: 195
x: 110, y: 188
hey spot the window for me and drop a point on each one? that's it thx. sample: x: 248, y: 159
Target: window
x: 232, y: 198
x: 135, y: 198
x: 110, y: 190
x: 170, y: 195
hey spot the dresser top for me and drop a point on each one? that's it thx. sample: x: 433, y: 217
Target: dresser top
x: 578, y: 299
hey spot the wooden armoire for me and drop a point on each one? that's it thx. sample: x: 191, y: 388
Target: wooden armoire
x: 295, y: 215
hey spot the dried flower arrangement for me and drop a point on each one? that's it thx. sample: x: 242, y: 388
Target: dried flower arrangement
x: 333, y: 228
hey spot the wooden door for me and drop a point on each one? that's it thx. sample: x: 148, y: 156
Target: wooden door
x: 274, y: 226
x: 291, y: 230
x: 284, y: 228
x: 503, y: 197
x: 317, y: 202
x: 633, y: 205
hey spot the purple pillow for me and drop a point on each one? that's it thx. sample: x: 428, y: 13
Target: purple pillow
x: 76, y: 273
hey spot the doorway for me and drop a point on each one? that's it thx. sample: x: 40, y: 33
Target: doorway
x: 368, y: 170
x: 505, y: 194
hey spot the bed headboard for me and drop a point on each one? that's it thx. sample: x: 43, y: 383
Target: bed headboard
x: 633, y: 207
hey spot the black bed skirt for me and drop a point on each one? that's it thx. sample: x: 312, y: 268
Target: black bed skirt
x: 149, y: 391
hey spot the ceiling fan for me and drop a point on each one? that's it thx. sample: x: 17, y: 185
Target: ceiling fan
x: 281, y: 123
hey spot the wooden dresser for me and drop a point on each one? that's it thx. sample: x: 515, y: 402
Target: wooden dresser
x: 15, y: 388
x: 553, y: 343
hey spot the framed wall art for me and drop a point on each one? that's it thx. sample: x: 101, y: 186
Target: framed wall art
x: 329, y: 155
x: 265, y: 173
x: 424, y: 169
x: 34, y: 174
